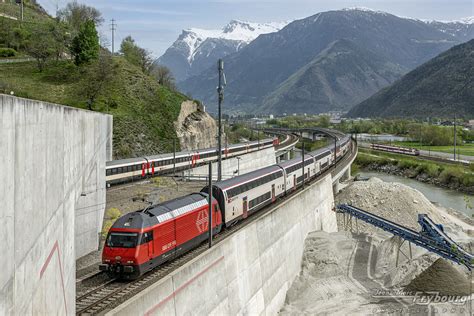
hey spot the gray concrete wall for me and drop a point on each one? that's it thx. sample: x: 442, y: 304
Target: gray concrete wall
x: 249, y: 272
x: 52, y: 184
x: 247, y: 163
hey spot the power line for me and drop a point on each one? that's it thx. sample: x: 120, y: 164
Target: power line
x: 113, y: 28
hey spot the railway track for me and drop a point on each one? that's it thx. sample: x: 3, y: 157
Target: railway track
x: 113, y: 292
x: 419, y: 157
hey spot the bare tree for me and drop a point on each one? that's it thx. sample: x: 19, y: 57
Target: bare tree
x: 41, y: 46
x: 97, y: 75
x: 164, y: 76
x: 76, y: 15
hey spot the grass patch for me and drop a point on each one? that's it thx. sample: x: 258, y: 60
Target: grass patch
x: 464, y: 149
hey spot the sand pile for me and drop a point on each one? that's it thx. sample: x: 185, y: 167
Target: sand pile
x: 342, y: 271
x: 441, y: 277
x: 394, y: 201
x: 324, y: 286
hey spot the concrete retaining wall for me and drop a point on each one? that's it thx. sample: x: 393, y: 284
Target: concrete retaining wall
x: 249, y: 272
x: 52, y: 185
x: 232, y: 166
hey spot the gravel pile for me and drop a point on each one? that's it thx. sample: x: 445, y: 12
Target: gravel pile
x: 441, y: 277
x: 394, y: 201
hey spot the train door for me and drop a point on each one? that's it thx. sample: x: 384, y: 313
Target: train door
x: 149, y: 240
x: 308, y: 174
x: 273, y: 193
x: 294, y: 182
x: 244, y: 207
x: 143, y: 169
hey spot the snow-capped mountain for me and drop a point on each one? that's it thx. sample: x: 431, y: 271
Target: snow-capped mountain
x: 196, y: 49
x: 329, y: 61
x: 462, y: 29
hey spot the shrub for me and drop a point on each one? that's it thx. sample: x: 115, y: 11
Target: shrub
x: 451, y: 175
x: 468, y: 180
x: 113, y: 213
x: 407, y: 164
x: 107, y: 225
x: 7, y: 52
x: 355, y: 169
x: 433, y: 170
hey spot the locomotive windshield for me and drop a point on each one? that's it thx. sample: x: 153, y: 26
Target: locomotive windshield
x: 122, y: 240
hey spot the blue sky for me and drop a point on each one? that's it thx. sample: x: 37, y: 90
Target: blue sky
x: 155, y: 24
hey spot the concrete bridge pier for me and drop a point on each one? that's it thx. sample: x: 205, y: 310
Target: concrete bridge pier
x: 347, y: 174
x: 284, y: 157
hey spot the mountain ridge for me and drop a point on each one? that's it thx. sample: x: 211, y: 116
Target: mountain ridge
x: 196, y: 49
x: 335, y: 67
x: 257, y: 70
x: 440, y: 87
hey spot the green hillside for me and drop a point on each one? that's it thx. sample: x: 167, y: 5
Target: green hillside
x: 143, y: 110
x: 442, y: 87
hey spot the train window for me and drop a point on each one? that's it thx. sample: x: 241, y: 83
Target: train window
x: 259, y: 199
x: 147, y: 237
x: 108, y: 172
x: 122, y: 240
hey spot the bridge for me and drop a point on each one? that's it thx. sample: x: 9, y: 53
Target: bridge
x: 313, y: 133
x: 54, y: 198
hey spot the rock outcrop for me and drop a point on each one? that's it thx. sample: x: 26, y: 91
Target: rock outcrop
x: 195, y: 128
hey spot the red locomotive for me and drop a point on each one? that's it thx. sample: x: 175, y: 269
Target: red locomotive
x: 140, y: 241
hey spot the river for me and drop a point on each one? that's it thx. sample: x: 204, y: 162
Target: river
x: 444, y: 197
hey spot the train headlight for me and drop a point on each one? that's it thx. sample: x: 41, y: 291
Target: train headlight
x: 130, y: 261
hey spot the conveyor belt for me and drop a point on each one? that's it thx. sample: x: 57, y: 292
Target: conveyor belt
x: 431, y: 237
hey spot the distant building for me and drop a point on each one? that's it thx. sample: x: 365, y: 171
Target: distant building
x: 471, y: 124
x: 446, y: 123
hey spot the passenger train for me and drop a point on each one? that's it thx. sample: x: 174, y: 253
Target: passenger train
x: 139, y: 241
x: 396, y: 149
x: 118, y: 171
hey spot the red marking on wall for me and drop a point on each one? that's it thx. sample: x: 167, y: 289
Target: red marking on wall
x: 179, y: 289
x: 46, y: 264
